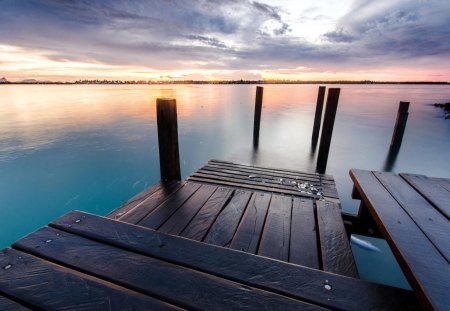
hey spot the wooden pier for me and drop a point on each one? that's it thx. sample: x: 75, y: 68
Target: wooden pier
x: 231, y: 237
x: 412, y: 212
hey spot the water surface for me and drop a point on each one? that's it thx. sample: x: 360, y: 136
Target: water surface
x: 91, y: 147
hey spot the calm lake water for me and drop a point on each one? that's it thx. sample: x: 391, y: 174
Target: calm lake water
x: 92, y: 147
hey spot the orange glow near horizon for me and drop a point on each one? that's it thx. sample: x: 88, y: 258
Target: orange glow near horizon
x: 18, y: 64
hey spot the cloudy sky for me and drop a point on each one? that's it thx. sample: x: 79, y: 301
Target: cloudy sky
x: 225, y: 39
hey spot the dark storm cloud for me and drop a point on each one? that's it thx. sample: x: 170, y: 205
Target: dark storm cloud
x: 223, y: 34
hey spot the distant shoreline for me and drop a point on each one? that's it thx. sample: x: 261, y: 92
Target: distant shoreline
x: 189, y: 82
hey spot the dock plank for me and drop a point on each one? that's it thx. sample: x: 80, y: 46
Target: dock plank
x: 435, y: 225
x: 277, y: 229
x: 278, y: 183
x: 303, y: 247
x: 162, y: 212
x: 181, y: 218
x: 199, y: 226
x: 254, y: 187
x: 170, y: 282
x: 138, y: 212
x: 431, y: 190
x: 423, y: 265
x: 269, y: 169
x: 10, y: 305
x: 140, y: 197
x: 336, y: 253
x: 246, y: 172
x: 249, y: 231
x: 222, y: 230
x: 286, y: 279
x: 47, y: 286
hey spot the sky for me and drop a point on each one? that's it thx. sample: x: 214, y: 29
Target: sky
x: 382, y: 40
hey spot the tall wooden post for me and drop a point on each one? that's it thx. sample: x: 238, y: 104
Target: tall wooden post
x: 327, y: 129
x: 400, y: 124
x: 257, y: 120
x: 318, y: 116
x: 169, y: 156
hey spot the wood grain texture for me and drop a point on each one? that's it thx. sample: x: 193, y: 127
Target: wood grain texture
x: 336, y: 253
x: 142, y: 209
x: 136, y: 200
x: 162, y: 212
x: 249, y: 187
x: 47, y: 286
x: 256, y: 179
x: 222, y: 230
x: 199, y: 226
x: 425, y: 268
x: 245, y: 172
x: 271, y: 275
x: 433, y: 191
x: 303, y: 246
x: 178, y: 285
x: 443, y: 182
x: 181, y: 218
x: 277, y: 229
x: 270, y: 169
x: 9, y: 305
x: 435, y: 225
x: 249, y: 231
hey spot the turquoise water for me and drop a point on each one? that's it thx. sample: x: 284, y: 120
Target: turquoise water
x: 91, y: 147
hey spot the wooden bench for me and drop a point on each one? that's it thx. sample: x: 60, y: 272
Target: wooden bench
x: 82, y: 261
x: 412, y: 212
x: 281, y: 214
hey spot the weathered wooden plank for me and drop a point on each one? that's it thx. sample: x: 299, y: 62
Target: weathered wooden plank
x: 336, y: 253
x: 173, y: 283
x: 303, y: 247
x: 287, y: 171
x: 254, y: 184
x: 271, y: 275
x: 47, y: 286
x: 280, y: 183
x: 139, y: 198
x: 435, y: 226
x: 7, y: 304
x: 222, y: 230
x: 444, y: 182
x: 181, y: 218
x: 275, y: 173
x: 141, y: 210
x: 199, y: 226
x: 249, y: 187
x: 161, y: 213
x: 249, y: 230
x: 277, y: 229
x: 432, y: 191
x: 425, y: 268
x: 246, y: 172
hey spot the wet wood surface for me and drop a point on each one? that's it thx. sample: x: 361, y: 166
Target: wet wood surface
x: 411, y: 214
x: 83, y: 261
x: 265, y: 211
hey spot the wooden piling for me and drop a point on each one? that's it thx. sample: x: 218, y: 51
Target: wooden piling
x: 169, y: 156
x: 327, y: 129
x: 400, y: 124
x: 257, y: 120
x: 318, y: 116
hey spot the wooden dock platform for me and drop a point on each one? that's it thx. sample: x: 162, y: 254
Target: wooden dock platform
x: 280, y: 214
x: 231, y: 237
x: 413, y: 214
